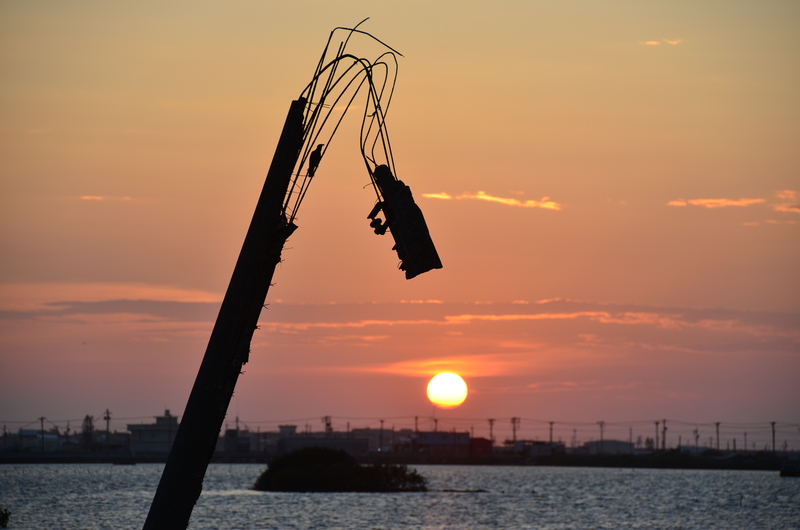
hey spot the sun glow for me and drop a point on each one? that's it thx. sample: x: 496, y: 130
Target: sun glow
x: 447, y: 390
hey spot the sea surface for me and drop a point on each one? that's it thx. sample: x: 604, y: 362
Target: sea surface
x: 94, y: 496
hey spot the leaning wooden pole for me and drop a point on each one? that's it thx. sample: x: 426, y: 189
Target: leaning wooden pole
x: 229, y: 346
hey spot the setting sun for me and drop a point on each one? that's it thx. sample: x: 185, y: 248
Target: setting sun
x: 447, y: 390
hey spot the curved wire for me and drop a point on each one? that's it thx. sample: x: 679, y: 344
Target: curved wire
x: 332, y: 91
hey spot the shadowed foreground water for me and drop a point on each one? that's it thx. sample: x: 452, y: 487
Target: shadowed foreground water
x: 86, y: 496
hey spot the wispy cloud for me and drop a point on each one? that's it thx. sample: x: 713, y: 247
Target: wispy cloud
x: 791, y: 206
x: 443, y: 195
x: 573, y: 386
x: 104, y: 198
x: 45, y: 296
x: 469, y: 366
x: 670, y: 42
x: 715, y: 203
x: 545, y: 203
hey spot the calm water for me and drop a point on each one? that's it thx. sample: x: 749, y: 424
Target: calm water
x: 118, y: 497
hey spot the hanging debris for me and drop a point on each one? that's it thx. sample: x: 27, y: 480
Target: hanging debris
x: 404, y: 219
x: 335, y: 88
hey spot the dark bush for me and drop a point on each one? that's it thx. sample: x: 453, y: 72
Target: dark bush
x: 318, y: 469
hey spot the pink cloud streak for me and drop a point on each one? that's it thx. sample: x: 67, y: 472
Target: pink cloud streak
x: 545, y: 203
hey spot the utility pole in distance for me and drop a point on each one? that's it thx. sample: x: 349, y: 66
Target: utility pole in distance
x: 514, y: 423
x: 41, y: 429
x: 107, y: 417
x: 773, y: 435
x: 328, y: 427
x: 656, y: 444
x: 602, y: 425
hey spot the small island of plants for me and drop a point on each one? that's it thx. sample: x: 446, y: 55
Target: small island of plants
x: 318, y: 469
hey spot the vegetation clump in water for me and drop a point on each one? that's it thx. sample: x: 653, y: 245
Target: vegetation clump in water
x: 318, y: 469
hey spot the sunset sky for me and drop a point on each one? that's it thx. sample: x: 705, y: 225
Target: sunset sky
x: 613, y: 188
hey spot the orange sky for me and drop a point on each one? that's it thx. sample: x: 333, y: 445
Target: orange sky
x: 612, y: 187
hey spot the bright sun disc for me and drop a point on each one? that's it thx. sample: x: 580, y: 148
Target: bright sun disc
x: 447, y: 390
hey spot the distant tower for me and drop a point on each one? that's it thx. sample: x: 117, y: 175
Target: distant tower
x: 107, y: 417
x: 514, y: 423
x: 656, y: 444
x: 328, y: 428
x: 602, y: 425
x: 773, y: 435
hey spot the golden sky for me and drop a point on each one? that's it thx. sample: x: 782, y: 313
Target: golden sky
x: 612, y: 187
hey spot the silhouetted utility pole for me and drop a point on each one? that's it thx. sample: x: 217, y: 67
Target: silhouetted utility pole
x: 773, y: 435
x: 416, y: 425
x: 41, y: 429
x: 514, y: 423
x: 664, y: 435
x: 491, y: 430
x: 107, y: 417
x: 745, y: 440
x: 272, y: 223
x: 328, y: 428
x: 551, y: 433
x: 717, y: 426
x: 656, y: 444
x: 602, y: 425
x: 435, y: 425
x: 380, y: 438
x: 229, y: 345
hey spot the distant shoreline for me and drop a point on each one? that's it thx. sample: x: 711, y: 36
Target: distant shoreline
x: 761, y: 461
